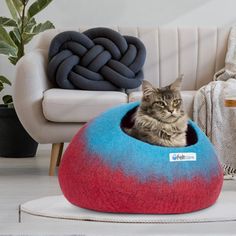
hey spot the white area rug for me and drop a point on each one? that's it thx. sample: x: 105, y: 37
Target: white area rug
x: 58, y: 207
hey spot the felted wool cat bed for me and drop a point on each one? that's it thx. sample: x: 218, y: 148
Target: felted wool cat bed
x: 104, y: 169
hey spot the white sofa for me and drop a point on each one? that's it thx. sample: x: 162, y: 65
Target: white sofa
x: 53, y: 115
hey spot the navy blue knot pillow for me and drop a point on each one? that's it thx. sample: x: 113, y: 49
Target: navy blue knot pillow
x: 97, y: 59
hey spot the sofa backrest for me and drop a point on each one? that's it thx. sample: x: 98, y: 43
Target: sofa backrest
x: 195, y: 52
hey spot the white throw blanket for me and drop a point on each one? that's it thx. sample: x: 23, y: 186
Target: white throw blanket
x: 216, y: 120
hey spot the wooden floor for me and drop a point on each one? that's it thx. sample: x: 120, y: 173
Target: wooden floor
x: 26, y: 179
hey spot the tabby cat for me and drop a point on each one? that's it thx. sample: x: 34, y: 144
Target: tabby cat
x: 160, y: 119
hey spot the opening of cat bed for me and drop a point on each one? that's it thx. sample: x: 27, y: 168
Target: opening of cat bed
x: 128, y: 122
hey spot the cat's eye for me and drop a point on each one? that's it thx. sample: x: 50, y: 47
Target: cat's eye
x: 160, y: 103
x: 176, y: 102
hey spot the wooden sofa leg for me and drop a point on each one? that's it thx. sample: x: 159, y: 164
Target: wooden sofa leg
x: 60, y: 154
x: 55, y: 152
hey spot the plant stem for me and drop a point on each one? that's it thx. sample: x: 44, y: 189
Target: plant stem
x: 21, y: 51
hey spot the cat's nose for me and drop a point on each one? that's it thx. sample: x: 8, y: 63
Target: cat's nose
x: 171, y: 110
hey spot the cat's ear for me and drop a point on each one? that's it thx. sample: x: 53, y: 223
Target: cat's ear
x: 147, y: 88
x: 176, y: 85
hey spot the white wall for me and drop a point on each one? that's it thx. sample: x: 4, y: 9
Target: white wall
x: 73, y: 13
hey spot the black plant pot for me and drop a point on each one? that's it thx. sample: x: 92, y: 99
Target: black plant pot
x: 14, y: 140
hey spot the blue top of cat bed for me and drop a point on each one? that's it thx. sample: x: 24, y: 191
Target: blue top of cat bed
x: 105, y: 138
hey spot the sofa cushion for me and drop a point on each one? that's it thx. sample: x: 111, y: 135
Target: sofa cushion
x: 187, y: 96
x: 62, y: 105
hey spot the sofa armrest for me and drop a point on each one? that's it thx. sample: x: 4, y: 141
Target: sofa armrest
x: 28, y: 88
x: 28, y: 91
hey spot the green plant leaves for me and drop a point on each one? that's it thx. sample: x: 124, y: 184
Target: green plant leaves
x: 15, y: 36
x: 23, y: 28
x: 15, y: 7
x: 7, y: 22
x: 4, y: 36
x: 7, y: 49
x: 7, y: 99
x: 36, y: 7
x: 30, y: 24
x: 13, y: 60
x: 42, y: 27
x: 7, y: 45
x: 19, y: 5
x: 27, y: 37
x: 4, y: 80
x: 36, y: 29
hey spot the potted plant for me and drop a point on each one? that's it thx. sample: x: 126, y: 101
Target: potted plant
x: 15, y: 33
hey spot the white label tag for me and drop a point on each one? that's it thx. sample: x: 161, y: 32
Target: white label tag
x: 183, y: 156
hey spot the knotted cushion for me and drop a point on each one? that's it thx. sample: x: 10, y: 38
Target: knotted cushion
x: 97, y: 59
x: 106, y: 170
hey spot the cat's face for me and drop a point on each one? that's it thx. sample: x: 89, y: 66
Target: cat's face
x: 164, y: 104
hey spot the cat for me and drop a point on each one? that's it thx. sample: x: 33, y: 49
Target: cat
x: 160, y: 118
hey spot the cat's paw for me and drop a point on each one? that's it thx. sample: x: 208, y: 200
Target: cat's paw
x: 127, y: 130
